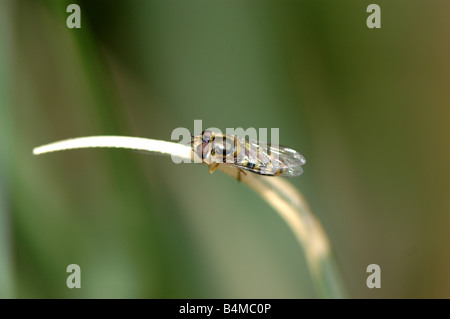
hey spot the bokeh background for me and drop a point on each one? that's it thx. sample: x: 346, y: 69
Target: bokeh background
x: 368, y: 108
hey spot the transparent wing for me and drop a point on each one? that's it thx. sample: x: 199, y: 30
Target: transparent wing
x: 268, y: 159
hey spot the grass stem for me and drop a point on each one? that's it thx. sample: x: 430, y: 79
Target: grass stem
x: 276, y: 191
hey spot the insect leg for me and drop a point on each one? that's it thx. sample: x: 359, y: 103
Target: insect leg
x: 211, y: 170
x: 239, y: 174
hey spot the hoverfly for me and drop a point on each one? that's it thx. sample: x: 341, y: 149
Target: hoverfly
x: 247, y: 155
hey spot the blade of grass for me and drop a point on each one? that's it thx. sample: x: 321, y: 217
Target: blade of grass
x: 7, y: 282
x: 277, y: 192
x: 307, y: 229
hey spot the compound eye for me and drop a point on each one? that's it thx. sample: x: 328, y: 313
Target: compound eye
x: 206, y: 136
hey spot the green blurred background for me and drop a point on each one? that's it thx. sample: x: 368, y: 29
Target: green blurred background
x: 368, y: 108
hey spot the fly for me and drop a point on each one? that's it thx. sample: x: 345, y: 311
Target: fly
x: 247, y: 155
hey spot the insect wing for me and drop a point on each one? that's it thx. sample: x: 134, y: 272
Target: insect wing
x: 266, y: 159
x: 287, y: 160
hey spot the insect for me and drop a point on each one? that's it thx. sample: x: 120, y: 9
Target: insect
x: 247, y: 155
